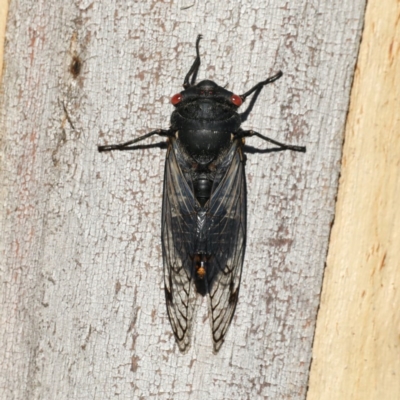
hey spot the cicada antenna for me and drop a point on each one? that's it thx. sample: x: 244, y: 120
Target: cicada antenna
x: 194, y: 69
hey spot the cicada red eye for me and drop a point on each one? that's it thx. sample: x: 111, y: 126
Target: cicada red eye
x: 236, y: 100
x: 176, y: 98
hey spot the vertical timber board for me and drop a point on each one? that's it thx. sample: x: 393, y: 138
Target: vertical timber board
x: 83, y: 313
x: 357, y: 344
x: 3, y: 20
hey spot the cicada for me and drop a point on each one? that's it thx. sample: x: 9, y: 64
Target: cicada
x: 203, y: 230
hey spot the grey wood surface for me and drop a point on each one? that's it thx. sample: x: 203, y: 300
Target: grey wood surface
x: 83, y: 313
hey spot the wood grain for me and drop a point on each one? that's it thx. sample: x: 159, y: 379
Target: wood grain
x: 3, y: 22
x: 356, y: 352
x: 83, y: 312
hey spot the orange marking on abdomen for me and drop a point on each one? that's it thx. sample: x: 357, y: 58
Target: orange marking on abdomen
x: 201, y: 272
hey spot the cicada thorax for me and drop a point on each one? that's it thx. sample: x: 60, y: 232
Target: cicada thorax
x: 205, y: 120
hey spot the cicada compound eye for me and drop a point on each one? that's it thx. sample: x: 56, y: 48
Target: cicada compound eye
x: 236, y: 100
x: 176, y: 99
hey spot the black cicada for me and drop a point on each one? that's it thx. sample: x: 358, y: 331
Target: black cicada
x: 204, y: 201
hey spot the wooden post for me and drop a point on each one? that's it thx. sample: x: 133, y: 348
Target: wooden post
x: 3, y: 23
x: 356, y: 354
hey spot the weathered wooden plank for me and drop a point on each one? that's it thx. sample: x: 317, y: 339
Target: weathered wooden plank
x: 83, y: 311
x: 356, y: 354
x: 3, y: 21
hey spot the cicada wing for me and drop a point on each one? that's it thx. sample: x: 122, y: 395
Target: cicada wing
x: 178, y: 236
x: 226, y: 243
